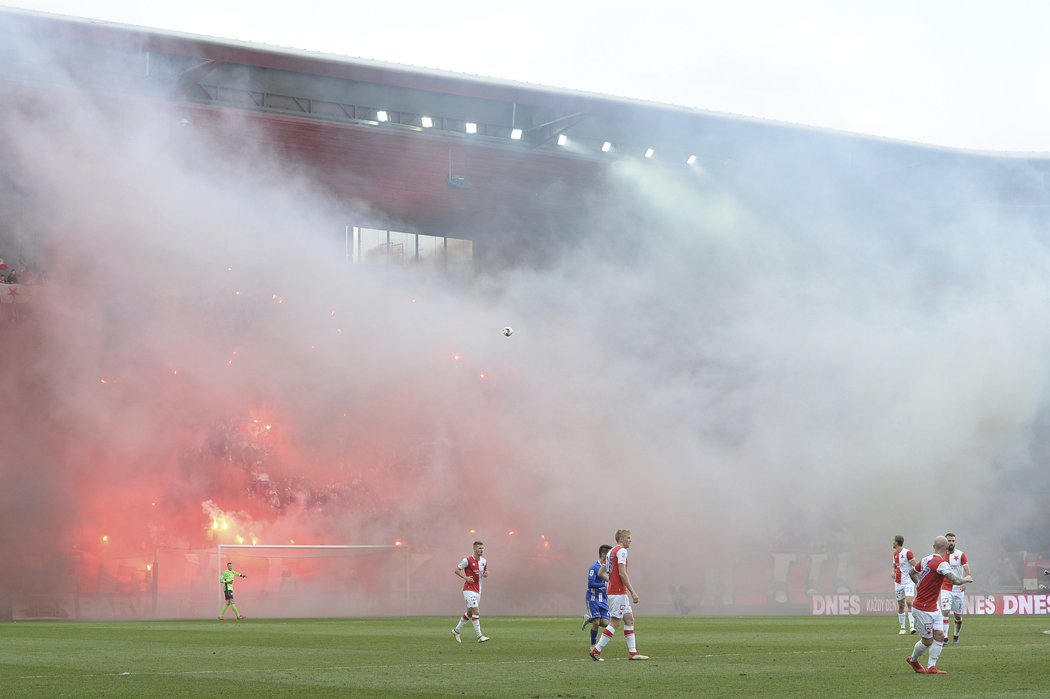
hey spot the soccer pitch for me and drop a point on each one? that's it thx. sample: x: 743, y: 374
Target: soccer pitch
x: 527, y: 657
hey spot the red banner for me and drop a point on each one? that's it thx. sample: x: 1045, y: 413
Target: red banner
x: 12, y: 293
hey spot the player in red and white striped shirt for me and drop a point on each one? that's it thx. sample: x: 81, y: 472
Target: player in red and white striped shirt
x: 621, y: 594
x: 472, y: 569
x: 933, y: 571
x: 952, y: 596
x: 904, y: 577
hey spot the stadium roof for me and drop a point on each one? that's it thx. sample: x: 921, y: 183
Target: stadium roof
x: 429, y: 151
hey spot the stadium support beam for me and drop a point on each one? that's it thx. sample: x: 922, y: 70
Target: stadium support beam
x: 542, y: 134
x: 193, y: 75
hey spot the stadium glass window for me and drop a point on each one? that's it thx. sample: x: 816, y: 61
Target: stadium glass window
x: 459, y: 253
x: 379, y: 247
x: 374, y: 246
x: 432, y: 250
x: 402, y: 248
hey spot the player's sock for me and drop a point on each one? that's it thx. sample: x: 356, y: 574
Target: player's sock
x: 476, y: 621
x: 462, y: 622
x: 607, y: 633
x: 900, y: 617
x: 628, y: 635
x: 234, y: 608
x: 222, y: 612
x: 918, y: 651
x: 594, y: 636
x: 935, y: 652
x: 958, y: 625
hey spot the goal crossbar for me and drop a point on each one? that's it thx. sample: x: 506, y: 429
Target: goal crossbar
x: 313, y: 547
x: 322, y: 550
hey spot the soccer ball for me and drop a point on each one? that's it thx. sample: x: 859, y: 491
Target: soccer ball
x: 508, y: 331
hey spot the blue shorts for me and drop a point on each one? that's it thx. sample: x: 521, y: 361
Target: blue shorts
x: 597, y: 609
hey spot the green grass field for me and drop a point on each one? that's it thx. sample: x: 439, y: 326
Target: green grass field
x: 527, y: 657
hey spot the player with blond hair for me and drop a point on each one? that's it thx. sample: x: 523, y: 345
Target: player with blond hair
x: 621, y: 595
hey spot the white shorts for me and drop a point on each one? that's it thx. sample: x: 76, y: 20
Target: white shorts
x: 620, y: 606
x: 473, y: 599
x: 927, y: 622
x: 905, y: 589
x: 951, y: 601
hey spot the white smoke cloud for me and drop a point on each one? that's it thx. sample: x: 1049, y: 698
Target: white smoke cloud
x: 769, y: 356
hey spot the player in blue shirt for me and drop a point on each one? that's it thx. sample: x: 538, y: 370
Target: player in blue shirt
x: 597, y: 598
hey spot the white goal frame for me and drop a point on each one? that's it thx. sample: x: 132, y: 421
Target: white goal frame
x: 330, y: 547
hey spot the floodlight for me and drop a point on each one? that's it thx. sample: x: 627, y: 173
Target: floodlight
x: 515, y: 134
x: 381, y: 115
x: 649, y: 152
x: 690, y: 160
x: 562, y: 139
x: 606, y: 147
x: 472, y: 127
x: 427, y: 122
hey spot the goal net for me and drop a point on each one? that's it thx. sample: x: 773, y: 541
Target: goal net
x: 319, y: 581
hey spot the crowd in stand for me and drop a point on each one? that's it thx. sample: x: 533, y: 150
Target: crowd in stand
x: 12, y: 296
x: 6, y: 272
x: 11, y: 274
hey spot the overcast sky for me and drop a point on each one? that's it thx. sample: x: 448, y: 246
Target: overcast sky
x: 958, y: 73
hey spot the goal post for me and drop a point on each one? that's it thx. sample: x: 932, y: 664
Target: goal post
x: 321, y: 579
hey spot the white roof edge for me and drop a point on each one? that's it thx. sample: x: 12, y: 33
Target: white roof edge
x: 503, y: 82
